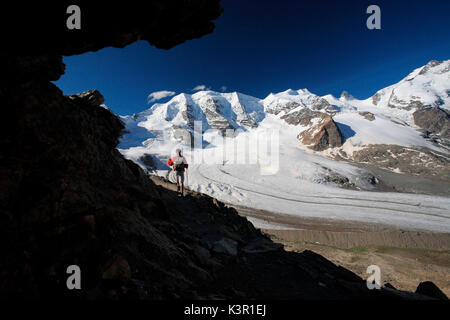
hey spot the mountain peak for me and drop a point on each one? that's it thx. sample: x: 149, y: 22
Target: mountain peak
x: 436, y: 66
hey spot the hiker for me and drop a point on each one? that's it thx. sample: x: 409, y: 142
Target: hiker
x: 179, y: 164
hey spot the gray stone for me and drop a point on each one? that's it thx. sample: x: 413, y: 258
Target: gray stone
x: 90, y: 97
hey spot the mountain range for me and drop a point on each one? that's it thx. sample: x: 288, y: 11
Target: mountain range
x: 402, y: 128
x: 70, y: 199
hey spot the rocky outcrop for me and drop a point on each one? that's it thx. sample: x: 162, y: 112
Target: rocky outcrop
x: 431, y: 64
x: 34, y: 48
x: 148, y: 162
x: 214, y: 116
x: 323, y: 134
x: 183, y: 135
x: 162, y: 24
x: 68, y: 197
x: 433, y: 121
x: 302, y: 117
x: 291, y: 99
x: 407, y: 160
x: 424, y: 93
x: 320, y: 104
x: 429, y: 289
x: 91, y: 97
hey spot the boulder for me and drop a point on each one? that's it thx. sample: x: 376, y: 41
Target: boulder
x: 302, y: 117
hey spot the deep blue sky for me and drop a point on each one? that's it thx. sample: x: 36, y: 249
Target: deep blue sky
x: 260, y: 47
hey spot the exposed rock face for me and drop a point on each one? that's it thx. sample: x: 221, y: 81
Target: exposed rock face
x: 431, y: 64
x: 331, y: 176
x: 302, y: 117
x: 147, y: 160
x: 214, y: 115
x: 407, y: 160
x: 423, y: 88
x: 318, y: 103
x: 376, y: 98
x: 228, y: 111
x: 322, y: 135
x: 67, y: 196
x: 433, y: 121
x: 289, y: 100
x: 346, y: 95
x: 428, y: 288
x: 282, y: 107
x: 183, y: 135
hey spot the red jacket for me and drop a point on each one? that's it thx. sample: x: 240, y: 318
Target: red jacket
x: 171, y: 160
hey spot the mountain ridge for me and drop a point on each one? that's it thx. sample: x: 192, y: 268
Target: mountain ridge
x: 413, y: 113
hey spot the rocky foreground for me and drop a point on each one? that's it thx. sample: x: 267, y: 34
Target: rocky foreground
x: 67, y: 196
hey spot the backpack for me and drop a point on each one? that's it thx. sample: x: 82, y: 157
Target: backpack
x: 178, y: 164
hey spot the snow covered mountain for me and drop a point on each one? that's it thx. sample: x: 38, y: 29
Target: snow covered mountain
x: 411, y: 113
x: 326, y: 145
